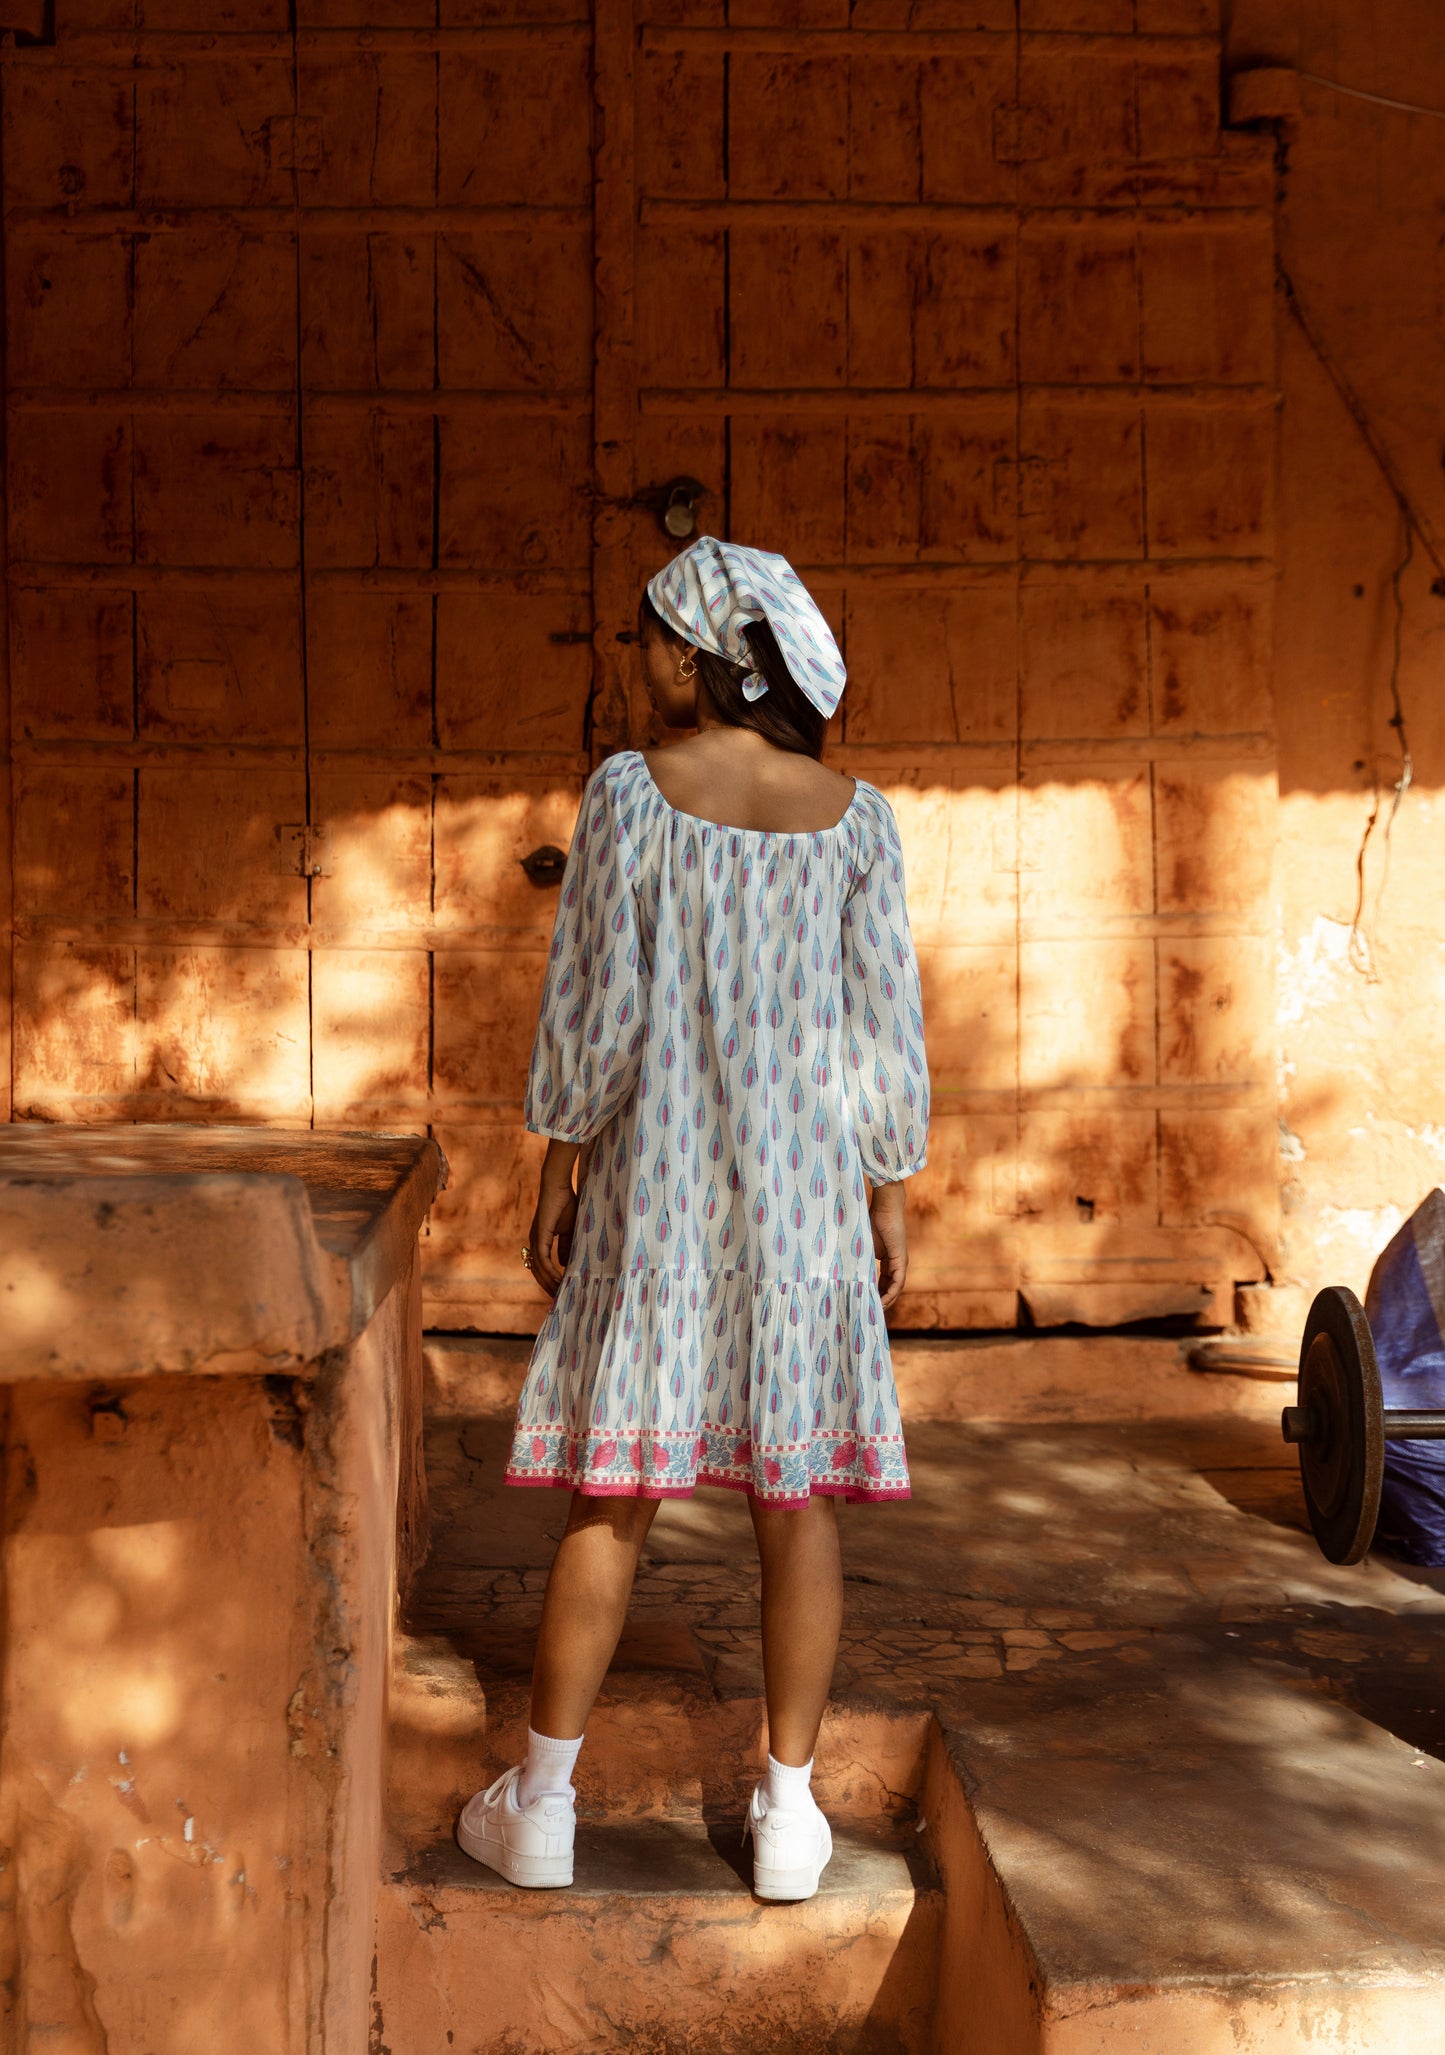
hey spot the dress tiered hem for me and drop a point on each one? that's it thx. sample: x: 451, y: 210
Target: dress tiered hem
x: 648, y: 1384
x: 671, y: 1464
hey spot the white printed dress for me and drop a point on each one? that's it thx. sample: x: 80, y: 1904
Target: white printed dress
x: 733, y: 1016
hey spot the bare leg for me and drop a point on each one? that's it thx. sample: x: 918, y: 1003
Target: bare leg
x: 585, y: 1607
x: 802, y: 1616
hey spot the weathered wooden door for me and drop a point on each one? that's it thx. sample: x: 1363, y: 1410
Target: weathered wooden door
x: 973, y: 320
x: 339, y: 349
x: 299, y: 405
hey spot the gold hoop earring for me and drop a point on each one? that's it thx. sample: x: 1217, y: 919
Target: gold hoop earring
x: 687, y: 669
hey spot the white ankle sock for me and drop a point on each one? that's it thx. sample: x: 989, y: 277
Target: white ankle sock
x: 548, y: 1767
x: 786, y: 1787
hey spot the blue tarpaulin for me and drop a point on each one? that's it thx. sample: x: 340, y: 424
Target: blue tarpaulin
x: 1405, y: 1305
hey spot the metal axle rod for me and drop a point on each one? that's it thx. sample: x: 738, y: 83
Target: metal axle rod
x: 1302, y: 1424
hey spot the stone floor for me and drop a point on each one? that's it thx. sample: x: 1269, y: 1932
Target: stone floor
x: 1193, y: 1749
x: 1032, y: 1557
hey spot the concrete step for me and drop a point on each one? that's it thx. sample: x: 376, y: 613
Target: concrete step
x: 659, y: 1947
x: 659, y: 1746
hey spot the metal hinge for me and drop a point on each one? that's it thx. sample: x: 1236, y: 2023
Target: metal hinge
x: 302, y: 850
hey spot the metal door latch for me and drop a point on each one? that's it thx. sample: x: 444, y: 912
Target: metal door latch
x: 675, y: 504
x: 545, y: 866
x: 302, y: 850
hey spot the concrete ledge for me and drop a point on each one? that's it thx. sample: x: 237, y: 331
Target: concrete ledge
x: 1229, y: 1862
x: 138, y: 1276
x: 138, y: 1251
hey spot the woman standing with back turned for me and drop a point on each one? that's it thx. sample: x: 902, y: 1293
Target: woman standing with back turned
x: 731, y: 1050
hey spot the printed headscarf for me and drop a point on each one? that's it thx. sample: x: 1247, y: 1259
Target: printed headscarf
x: 710, y: 593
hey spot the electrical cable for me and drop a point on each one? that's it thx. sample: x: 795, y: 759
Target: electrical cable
x: 1361, y: 947
x: 1378, y: 99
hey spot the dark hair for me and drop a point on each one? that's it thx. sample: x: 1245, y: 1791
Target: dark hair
x: 782, y: 716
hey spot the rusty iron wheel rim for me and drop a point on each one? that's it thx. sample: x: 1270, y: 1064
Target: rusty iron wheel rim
x: 1342, y: 1462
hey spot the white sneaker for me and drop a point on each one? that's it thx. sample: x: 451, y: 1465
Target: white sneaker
x: 529, y: 1845
x: 791, y: 1849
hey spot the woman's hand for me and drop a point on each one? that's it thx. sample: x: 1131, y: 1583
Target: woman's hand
x: 550, y: 1242
x: 890, y: 1240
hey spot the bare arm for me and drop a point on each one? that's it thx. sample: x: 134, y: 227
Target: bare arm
x: 550, y: 1240
x: 886, y: 1212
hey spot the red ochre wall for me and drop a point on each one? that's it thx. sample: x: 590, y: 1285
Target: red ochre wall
x: 316, y: 473
x: 1359, y: 233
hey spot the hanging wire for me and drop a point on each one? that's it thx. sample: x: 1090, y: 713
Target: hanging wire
x: 1333, y: 85
x: 1361, y: 945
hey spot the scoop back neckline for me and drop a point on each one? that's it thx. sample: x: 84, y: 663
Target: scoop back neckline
x: 727, y: 828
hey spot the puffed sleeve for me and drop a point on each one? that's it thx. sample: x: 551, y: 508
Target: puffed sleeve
x: 593, y: 1021
x: 884, y: 1062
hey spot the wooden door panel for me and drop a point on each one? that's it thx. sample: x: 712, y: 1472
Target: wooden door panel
x: 370, y: 489
x: 74, y: 1034
x: 1209, y: 638
x: 798, y: 126
x: 932, y: 665
x: 971, y: 1006
x: 1086, y: 842
x: 214, y: 307
x: 373, y: 127
x: 1083, y: 659
x: 377, y: 853
x: 516, y: 125
x: 72, y: 671
x: 1216, y: 1010
x: 963, y: 99
x: 369, y: 667
x: 485, y: 1010
x: 219, y: 490
x: 1087, y: 1013
x: 1206, y: 300
x: 681, y: 307
x: 787, y: 480
x: 478, y: 1227
x: 368, y: 309
x: 215, y: 131
x: 218, y: 666
x: 963, y: 1230
x: 513, y: 671
x: 69, y: 134
x: 513, y: 490
x: 484, y: 827
x: 1094, y: 1168
x: 1081, y: 477
x: 92, y: 520
x: 1078, y: 300
x: 681, y: 95
x: 965, y: 313
x: 206, y: 846
x: 371, y: 1036
x: 223, y: 1034
x: 69, y: 309
x: 1211, y: 477
x: 514, y: 310
x: 1214, y: 836
x: 811, y: 266
x: 74, y: 842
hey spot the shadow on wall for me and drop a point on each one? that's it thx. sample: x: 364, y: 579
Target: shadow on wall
x: 1095, y: 940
